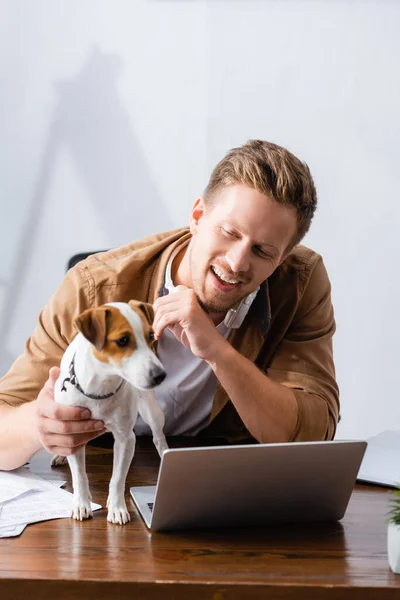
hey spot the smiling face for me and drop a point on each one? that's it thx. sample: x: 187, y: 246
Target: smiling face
x: 237, y: 242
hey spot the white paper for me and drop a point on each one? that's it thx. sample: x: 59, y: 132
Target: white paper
x: 28, y: 498
x: 14, y: 484
x: 11, y: 531
x: 9, y: 494
x: 381, y: 462
x: 22, y: 480
x: 40, y: 506
x: 387, y: 439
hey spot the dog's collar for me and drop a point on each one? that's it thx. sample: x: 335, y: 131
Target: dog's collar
x: 74, y: 381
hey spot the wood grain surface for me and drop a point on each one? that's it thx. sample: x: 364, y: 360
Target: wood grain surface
x: 64, y: 559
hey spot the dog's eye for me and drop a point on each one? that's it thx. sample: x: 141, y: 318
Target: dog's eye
x: 151, y: 336
x: 123, y: 341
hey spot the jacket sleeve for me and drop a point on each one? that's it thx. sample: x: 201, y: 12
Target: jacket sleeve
x: 53, y: 333
x: 304, y: 361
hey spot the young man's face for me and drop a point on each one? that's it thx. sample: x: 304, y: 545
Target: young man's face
x: 237, y: 243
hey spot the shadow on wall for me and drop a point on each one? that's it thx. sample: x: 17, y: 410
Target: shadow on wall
x: 91, y: 122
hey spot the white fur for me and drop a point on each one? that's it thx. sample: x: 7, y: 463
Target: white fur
x: 119, y: 412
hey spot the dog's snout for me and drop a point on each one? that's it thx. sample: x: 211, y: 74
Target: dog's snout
x: 157, y: 376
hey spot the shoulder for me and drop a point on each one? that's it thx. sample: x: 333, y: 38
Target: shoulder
x: 301, y: 261
x: 300, y: 278
x: 132, y: 255
x: 302, y: 265
x: 121, y: 267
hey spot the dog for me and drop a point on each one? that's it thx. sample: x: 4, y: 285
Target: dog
x: 110, y: 368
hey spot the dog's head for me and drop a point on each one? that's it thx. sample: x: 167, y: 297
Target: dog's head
x: 122, y: 337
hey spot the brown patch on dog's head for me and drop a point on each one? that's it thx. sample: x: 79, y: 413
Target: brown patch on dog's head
x: 110, y: 333
x: 146, y: 314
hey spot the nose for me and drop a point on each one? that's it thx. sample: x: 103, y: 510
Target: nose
x: 157, y: 376
x: 237, y: 258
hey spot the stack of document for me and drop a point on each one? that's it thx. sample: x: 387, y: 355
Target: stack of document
x: 381, y: 463
x: 27, y: 498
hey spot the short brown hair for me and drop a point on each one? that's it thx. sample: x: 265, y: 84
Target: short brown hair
x: 273, y: 171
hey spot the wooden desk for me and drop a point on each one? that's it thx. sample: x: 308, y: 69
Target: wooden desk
x: 64, y: 559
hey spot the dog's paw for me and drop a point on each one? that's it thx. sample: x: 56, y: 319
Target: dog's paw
x: 81, y: 509
x: 160, y: 444
x: 118, y: 514
x: 58, y: 460
x: 162, y: 448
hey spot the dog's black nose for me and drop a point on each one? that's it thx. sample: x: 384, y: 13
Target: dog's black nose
x: 158, y: 376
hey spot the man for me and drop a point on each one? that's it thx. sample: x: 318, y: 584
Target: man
x: 243, y: 318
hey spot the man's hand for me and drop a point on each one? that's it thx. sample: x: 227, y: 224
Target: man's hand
x: 183, y: 315
x: 62, y: 429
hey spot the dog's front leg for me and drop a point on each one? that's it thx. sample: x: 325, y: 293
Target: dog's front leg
x: 81, y: 508
x: 124, y: 449
x: 152, y: 414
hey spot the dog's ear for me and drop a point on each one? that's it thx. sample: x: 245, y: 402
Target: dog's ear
x: 93, y: 325
x: 146, y: 308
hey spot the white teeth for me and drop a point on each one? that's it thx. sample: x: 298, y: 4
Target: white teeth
x: 224, y: 277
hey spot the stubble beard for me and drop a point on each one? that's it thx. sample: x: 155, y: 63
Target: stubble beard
x: 209, y: 306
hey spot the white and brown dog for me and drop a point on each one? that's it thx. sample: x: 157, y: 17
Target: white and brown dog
x: 110, y: 369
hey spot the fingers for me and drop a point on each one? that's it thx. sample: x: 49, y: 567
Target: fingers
x: 178, y: 308
x: 52, y: 410
x: 48, y: 387
x: 179, y: 292
x: 164, y: 300
x: 65, y: 445
x: 90, y: 426
x: 54, y: 373
x: 80, y: 431
x: 63, y: 429
x: 164, y: 319
x: 72, y: 442
x: 64, y: 451
x: 181, y: 288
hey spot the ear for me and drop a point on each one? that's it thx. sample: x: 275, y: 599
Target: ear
x: 93, y: 325
x: 196, y: 214
x: 146, y: 308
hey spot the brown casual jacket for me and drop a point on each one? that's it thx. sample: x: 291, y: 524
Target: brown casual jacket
x: 287, y: 332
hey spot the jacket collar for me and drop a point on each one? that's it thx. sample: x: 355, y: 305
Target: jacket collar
x: 157, y: 279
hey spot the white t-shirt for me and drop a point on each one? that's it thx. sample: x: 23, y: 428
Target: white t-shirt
x: 186, y: 394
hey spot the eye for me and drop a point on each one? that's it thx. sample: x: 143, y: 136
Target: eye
x: 263, y: 254
x: 123, y: 341
x: 228, y: 233
x: 151, y: 336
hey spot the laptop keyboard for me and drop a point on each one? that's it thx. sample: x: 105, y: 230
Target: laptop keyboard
x: 150, y: 505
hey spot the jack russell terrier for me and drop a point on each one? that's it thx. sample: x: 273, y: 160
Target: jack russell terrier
x: 110, y: 369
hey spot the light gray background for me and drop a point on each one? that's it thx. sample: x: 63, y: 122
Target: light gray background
x: 114, y: 112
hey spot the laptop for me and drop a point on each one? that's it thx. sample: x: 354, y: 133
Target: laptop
x: 250, y: 485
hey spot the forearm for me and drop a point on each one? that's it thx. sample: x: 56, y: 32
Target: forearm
x: 268, y: 409
x: 18, y: 441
